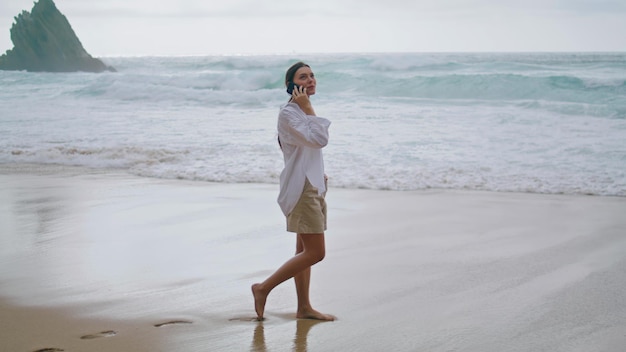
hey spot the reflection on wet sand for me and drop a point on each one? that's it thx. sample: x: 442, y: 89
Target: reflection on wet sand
x: 258, y: 339
x: 302, y: 331
x: 299, y: 341
x: 32, y: 210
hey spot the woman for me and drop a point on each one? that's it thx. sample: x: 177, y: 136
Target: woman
x: 301, y: 136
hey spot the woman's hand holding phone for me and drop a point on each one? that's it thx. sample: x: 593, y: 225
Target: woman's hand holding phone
x: 300, y: 97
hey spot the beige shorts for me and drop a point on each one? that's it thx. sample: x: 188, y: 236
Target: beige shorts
x: 309, y: 215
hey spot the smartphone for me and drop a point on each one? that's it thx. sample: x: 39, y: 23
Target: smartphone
x: 290, y: 87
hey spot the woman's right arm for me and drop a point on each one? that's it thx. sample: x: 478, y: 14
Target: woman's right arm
x: 296, y: 127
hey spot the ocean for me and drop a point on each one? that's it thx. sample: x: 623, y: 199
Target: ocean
x: 510, y: 122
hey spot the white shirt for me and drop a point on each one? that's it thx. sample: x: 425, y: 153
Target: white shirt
x: 302, y: 138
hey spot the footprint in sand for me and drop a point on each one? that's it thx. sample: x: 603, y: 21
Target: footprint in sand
x: 173, y: 322
x: 108, y: 333
x: 244, y: 319
x: 50, y: 350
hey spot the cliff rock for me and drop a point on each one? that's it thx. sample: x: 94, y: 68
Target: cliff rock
x: 43, y: 40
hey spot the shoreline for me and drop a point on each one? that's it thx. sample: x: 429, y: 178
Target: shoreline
x: 75, y: 170
x: 89, y: 253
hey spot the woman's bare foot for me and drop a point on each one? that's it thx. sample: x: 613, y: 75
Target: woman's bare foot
x: 313, y: 314
x: 259, y: 301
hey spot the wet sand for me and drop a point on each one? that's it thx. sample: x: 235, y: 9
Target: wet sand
x: 95, y: 261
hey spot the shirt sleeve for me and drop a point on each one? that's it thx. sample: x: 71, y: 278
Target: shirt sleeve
x: 295, y: 127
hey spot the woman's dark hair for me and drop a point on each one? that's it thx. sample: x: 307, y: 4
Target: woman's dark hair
x: 291, y: 73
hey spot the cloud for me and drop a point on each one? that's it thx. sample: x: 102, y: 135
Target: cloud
x: 134, y: 27
x: 203, y: 9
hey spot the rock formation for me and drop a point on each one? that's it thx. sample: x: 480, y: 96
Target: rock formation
x: 43, y: 40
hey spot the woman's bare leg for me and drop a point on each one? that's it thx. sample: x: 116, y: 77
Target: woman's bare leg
x: 303, y: 281
x: 312, y: 251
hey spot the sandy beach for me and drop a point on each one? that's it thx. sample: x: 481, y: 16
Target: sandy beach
x: 104, y: 261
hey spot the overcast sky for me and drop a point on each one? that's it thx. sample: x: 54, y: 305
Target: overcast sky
x: 199, y: 27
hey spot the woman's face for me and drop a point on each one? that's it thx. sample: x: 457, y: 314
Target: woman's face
x: 304, y: 77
